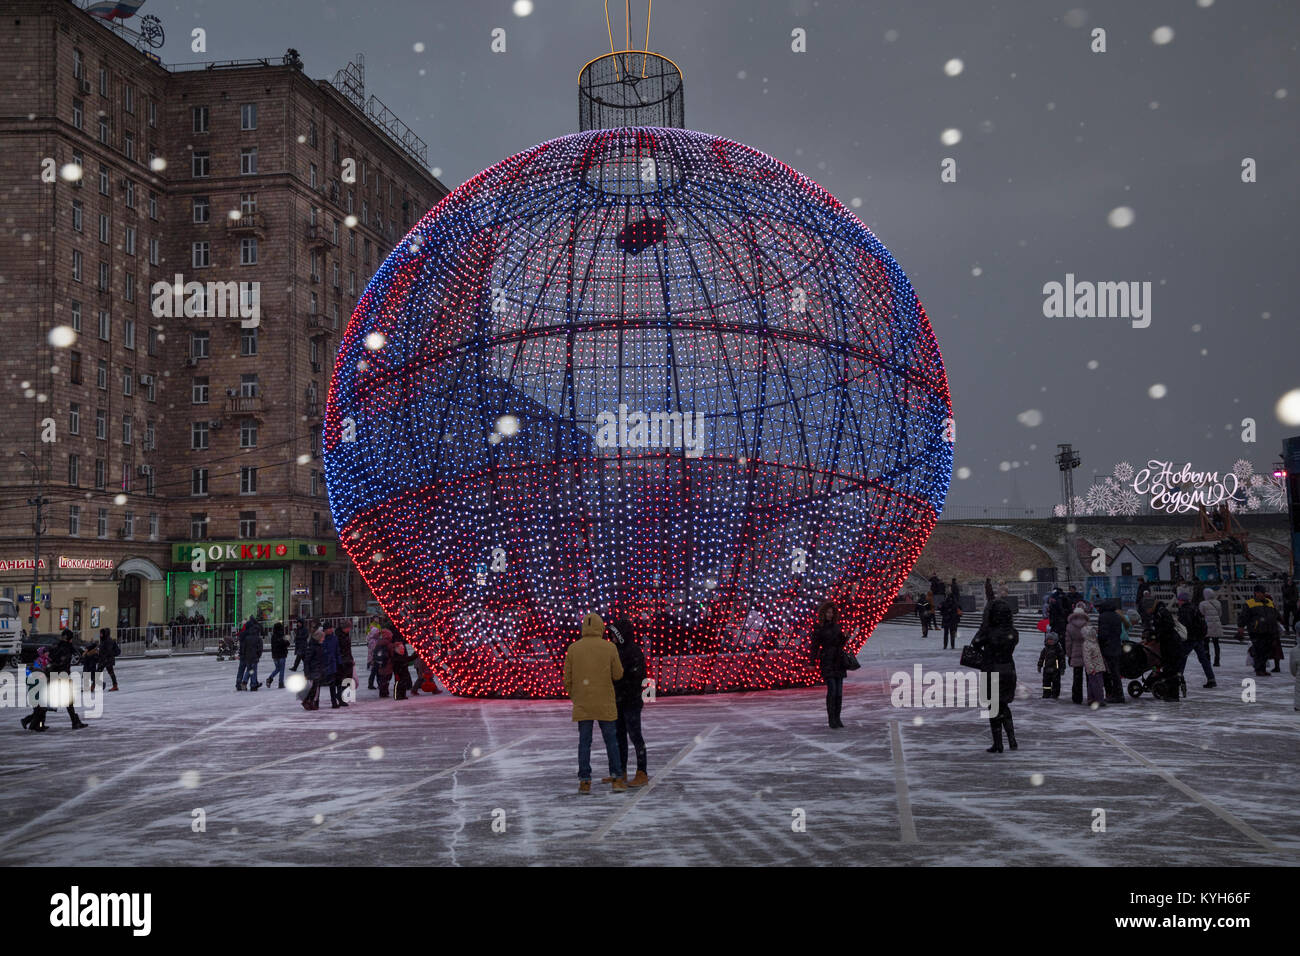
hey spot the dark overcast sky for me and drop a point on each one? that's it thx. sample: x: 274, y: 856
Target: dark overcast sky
x: 1054, y: 137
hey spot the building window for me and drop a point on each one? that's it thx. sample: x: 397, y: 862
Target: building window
x: 103, y: 180
x: 101, y: 424
x: 77, y: 215
x: 128, y: 381
x: 248, y: 116
x: 78, y: 114
x: 352, y: 282
x: 103, y: 81
x: 313, y: 304
x: 351, y: 199
x: 199, y: 391
x: 336, y: 232
x: 352, y: 243
x: 74, y: 418
x: 76, y: 316
x: 128, y: 98
x: 247, y: 204
x: 199, y: 436
x: 311, y: 176
x: 153, y: 205
x: 74, y: 520
x: 80, y: 161
x: 101, y: 523
x: 103, y: 130
x: 105, y: 325
x: 149, y: 485
x: 150, y: 437
x: 128, y: 325
x: 248, y: 341
x: 315, y: 483
x: 314, y: 352
x: 247, y: 480
x: 202, y: 208
x: 248, y: 433
x: 153, y: 523
x: 365, y: 213
x: 199, y: 342
x: 334, y: 316
x: 130, y: 194
x: 128, y: 524
x: 149, y: 392
x: 103, y: 277
x: 130, y: 240
x: 199, y: 164
x: 155, y: 257
x: 101, y: 375
x: 248, y: 385
x: 78, y: 64
x: 335, y: 281
x: 334, y: 151
x: 76, y: 266
x: 315, y: 441
x: 311, y: 133
x: 315, y: 267
x: 248, y: 252
x: 153, y: 113
x: 128, y: 431
x: 198, y: 526
x: 200, y: 117
x: 128, y: 144
x: 128, y: 293
x: 104, y: 226
x: 200, y: 255
x: 151, y: 341
x: 248, y: 524
x: 74, y: 470
x: 101, y: 479
x: 74, y: 368
x: 248, y: 161
x: 198, y: 481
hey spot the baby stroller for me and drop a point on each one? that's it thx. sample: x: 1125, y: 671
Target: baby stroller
x: 1142, y: 666
x: 228, y: 649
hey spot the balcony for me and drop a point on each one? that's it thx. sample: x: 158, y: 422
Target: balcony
x: 249, y: 224
x: 245, y: 405
x: 318, y: 237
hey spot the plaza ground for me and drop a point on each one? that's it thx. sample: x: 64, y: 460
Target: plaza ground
x: 1210, y: 780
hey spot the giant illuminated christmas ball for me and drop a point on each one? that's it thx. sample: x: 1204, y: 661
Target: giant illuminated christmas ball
x: 646, y: 372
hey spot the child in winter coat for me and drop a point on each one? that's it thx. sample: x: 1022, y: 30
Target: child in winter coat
x: 1094, y: 665
x: 1051, y: 661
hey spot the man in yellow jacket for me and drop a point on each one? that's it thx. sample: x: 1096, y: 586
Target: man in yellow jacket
x: 590, y: 668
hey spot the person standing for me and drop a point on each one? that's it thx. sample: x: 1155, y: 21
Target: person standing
x: 1058, y: 613
x: 108, y: 654
x: 279, y: 652
x: 950, y: 617
x: 1074, y: 650
x: 1094, y: 664
x: 1110, y: 635
x: 347, y: 666
x: 330, y: 664
x: 1051, y: 661
x: 38, y: 673
x: 936, y: 588
x: 1164, y: 625
x: 591, y: 666
x: 301, y: 637
x: 313, y: 667
x: 90, y: 663
x: 250, y: 652
x: 627, y: 695
x: 61, y: 663
x: 997, y: 640
x: 1290, y: 598
x: 372, y: 638
x: 1213, y: 613
x: 828, y: 651
x: 1193, y: 621
x: 1259, y: 619
x: 384, y: 660
x: 924, y: 608
x: 401, y: 666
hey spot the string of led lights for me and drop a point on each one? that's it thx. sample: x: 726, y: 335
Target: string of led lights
x: 645, y: 372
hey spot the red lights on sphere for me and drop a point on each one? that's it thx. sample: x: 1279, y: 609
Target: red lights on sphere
x: 644, y: 372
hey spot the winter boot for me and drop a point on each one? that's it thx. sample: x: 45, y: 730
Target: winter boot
x: 620, y: 785
x: 27, y: 722
x: 584, y: 786
x: 1210, y: 683
x: 1011, y: 732
x: 268, y: 681
x: 306, y: 705
x: 640, y: 780
x: 839, y: 706
x: 114, y: 687
x: 830, y: 714
x: 78, y: 723
x: 255, y: 685
x: 996, y: 725
x: 239, y: 687
x: 608, y: 779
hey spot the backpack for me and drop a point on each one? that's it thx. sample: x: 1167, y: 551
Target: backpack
x: 1182, y: 631
x: 381, y: 655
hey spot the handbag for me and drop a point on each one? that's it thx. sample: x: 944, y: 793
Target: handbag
x: 850, y: 660
x: 972, y: 656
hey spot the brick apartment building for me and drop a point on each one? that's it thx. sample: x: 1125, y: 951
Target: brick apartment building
x: 157, y: 430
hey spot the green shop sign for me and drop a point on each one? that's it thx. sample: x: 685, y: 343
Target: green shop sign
x: 273, y: 551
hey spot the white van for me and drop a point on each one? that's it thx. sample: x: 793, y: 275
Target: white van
x: 11, y: 633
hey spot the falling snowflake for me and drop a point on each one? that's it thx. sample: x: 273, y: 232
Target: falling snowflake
x: 1124, y: 471
x: 1243, y: 470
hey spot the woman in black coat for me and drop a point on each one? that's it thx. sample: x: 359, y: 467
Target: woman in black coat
x: 998, y: 638
x: 828, y: 651
x: 1171, y: 652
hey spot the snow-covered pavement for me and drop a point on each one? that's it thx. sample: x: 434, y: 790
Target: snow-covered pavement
x: 736, y: 779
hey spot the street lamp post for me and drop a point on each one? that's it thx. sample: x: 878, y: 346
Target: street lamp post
x: 1067, y: 459
x: 39, y: 502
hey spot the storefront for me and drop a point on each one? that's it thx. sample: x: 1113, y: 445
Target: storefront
x: 225, y: 582
x: 85, y: 592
